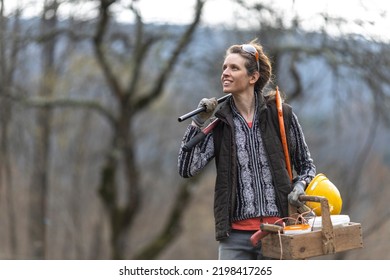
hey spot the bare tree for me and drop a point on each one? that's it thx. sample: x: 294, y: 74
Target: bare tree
x: 40, y: 176
x: 132, y: 80
x: 120, y: 167
x: 130, y: 102
x: 9, y: 51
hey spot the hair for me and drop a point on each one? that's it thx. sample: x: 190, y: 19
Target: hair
x: 265, y: 68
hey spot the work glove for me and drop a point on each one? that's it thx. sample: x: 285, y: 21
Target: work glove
x: 293, y: 196
x: 202, y: 117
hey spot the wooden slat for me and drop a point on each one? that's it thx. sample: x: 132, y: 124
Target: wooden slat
x: 309, y: 245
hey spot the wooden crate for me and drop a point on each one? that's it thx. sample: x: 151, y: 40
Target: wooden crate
x: 328, y: 240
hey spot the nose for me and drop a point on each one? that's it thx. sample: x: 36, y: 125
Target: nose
x: 225, y: 72
x: 223, y: 75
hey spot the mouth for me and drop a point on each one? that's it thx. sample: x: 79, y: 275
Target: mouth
x: 226, y: 82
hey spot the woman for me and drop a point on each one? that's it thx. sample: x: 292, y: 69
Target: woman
x: 252, y: 184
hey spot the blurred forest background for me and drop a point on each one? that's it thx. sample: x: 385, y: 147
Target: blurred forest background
x: 89, y: 135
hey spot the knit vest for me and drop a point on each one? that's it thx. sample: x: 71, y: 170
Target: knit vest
x: 226, y: 162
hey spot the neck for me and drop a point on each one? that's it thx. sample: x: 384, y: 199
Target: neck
x: 245, y: 105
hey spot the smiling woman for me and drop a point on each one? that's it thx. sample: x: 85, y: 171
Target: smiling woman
x: 253, y: 185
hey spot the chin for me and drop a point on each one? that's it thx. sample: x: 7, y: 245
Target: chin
x: 226, y: 90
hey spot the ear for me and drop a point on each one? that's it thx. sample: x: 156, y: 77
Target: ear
x: 254, y: 77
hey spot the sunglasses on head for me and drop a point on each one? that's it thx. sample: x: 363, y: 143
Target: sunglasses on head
x: 252, y: 50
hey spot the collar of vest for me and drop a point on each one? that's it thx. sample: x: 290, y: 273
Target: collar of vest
x: 225, y: 111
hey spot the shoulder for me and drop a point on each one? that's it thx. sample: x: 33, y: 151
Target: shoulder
x: 287, y: 108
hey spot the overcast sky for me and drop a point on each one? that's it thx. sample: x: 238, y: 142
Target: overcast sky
x: 224, y: 12
x: 376, y: 12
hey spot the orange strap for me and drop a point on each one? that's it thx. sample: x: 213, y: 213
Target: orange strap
x: 283, y: 132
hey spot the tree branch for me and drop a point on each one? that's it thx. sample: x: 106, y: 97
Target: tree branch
x: 102, y: 25
x: 73, y: 103
x: 144, y: 100
x: 297, y: 78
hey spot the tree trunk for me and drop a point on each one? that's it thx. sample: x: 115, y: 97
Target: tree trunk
x: 123, y: 143
x: 40, y: 181
x: 121, y: 216
x: 9, y: 52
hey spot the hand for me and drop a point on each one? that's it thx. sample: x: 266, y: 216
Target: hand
x: 210, y: 105
x: 293, y: 196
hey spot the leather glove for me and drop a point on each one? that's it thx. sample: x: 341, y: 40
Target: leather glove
x: 210, y: 105
x: 293, y: 196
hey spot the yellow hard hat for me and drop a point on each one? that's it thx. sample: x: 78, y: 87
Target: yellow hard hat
x: 321, y: 186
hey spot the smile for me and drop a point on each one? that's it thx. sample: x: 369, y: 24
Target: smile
x: 227, y: 82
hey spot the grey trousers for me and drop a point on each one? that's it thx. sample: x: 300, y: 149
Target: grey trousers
x: 239, y: 247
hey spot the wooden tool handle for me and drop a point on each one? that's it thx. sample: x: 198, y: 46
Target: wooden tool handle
x: 271, y: 228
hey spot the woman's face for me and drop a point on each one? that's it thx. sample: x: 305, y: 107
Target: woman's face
x: 234, y: 76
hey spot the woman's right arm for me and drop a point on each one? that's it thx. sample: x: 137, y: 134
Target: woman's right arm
x: 192, y: 162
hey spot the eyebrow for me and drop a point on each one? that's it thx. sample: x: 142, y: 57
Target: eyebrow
x: 231, y: 64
